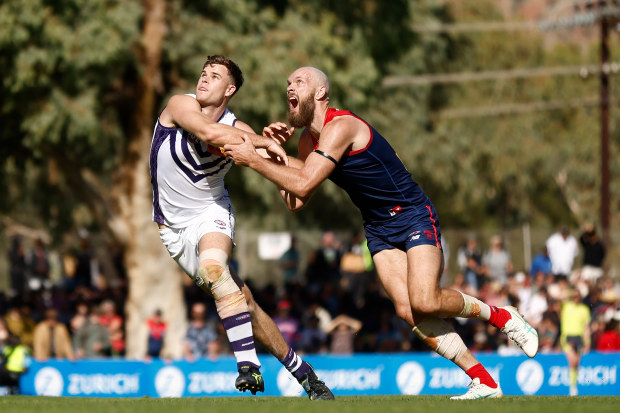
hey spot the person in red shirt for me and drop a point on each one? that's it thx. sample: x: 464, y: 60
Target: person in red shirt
x: 157, y: 330
x: 115, y: 325
x: 610, y: 339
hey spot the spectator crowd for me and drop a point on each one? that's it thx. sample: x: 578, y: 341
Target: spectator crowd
x: 335, y: 304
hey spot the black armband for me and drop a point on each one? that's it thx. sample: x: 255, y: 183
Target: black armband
x: 326, y: 155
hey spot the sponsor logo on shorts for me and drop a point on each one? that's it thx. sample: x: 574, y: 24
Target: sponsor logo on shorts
x: 414, y: 236
x: 395, y: 210
x: 220, y: 224
x: 429, y: 235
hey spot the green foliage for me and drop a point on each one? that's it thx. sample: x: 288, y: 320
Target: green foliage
x: 496, y: 170
x: 63, y: 64
x: 70, y: 86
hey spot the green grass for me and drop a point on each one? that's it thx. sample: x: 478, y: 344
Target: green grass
x: 351, y: 404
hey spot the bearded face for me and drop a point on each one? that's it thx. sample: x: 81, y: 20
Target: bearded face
x: 303, y: 117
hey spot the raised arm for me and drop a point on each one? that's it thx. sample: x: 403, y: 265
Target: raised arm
x: 301, y: 179
x: 305, y: 147
x: 184, y: 111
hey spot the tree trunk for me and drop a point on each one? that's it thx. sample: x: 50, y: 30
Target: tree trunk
x: 155, y: 281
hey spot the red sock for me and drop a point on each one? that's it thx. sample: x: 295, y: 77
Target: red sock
x: 499, y: 317
x: 485, y: 378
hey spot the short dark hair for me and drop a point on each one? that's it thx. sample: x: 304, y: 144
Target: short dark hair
x: 232, y: 67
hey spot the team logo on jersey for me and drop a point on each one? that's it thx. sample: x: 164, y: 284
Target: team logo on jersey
x: 395, y: 210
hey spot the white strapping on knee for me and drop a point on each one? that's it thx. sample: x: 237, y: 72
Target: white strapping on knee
x: 215, y: 274
x: 441, y: 337
x: 231, y: 305
x: 215, y: 254
x: 474, y: 308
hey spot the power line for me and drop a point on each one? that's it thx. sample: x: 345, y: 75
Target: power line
x: 517, y: 108
x: 442, y: 78
x: 474, y: 27
x: 582, y: 18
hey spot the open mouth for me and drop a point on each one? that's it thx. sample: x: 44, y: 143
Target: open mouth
x: 292, y: 102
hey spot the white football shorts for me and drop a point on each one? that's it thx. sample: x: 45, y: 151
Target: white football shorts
x: 182, y: 243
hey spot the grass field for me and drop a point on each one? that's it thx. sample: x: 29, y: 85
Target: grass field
x: 351, y: 404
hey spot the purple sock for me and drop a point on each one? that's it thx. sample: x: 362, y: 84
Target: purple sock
x: 239, y: 331
x: 295, y: 365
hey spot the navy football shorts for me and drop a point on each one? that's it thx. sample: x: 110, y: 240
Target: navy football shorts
x: 405, y: 230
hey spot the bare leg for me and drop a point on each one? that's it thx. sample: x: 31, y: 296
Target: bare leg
x: 392, y: 271
x: 424, y: 268
x: 265, y: 330
x: 574, y: 358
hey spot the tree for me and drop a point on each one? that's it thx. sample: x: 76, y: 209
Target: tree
x: 83, y: 81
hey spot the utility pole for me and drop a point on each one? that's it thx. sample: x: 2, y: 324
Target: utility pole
x: 605, y: 13
x: 604, y: 76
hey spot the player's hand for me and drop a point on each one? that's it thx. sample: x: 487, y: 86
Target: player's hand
x: 277, y: 153
x: 242, y: 153
x: 279, y: 132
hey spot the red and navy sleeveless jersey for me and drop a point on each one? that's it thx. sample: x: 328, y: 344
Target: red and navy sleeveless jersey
x: 376, y: 179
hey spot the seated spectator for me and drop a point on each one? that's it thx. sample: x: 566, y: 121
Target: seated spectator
x: 14, y: 359
x: 610, y: 291
x: 79, y: 318
x: 114, y: 323
x: 388, y: 337
x: 199, y: 334
x: 593, y: 254
x: 459, y: 283
x: 560, y: 289
x: 541, y: 263
x: 342, y: 330
x: 548, y: 333
x: 610, y: 340
x: 469, y: 259
x: 538, y: 304
x: 519, y: 285
x: 289, y: 263
x: 312, y: 339
x: 287, y: 324
x: 497, y: 262
x: 20, y: 324
x: 92, y: 340
x: 51, y: 338
x: 157, y: 330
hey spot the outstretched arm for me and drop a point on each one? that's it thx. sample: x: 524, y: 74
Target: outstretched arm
x: 185, y: 111
x: 298, y: 181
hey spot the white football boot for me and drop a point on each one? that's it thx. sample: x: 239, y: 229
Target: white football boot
x: 521, y: 332
x: 478, y: 390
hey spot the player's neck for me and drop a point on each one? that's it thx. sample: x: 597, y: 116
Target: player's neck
x: 214, y: 112
x: 318, y: 122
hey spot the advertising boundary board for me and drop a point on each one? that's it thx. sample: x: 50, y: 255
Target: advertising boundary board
x: 360, y: 374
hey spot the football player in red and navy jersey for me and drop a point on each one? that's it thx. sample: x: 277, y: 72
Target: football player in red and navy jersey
x: 400, y: 221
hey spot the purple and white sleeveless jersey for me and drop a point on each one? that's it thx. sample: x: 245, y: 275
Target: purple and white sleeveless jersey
x: 186, y: 174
